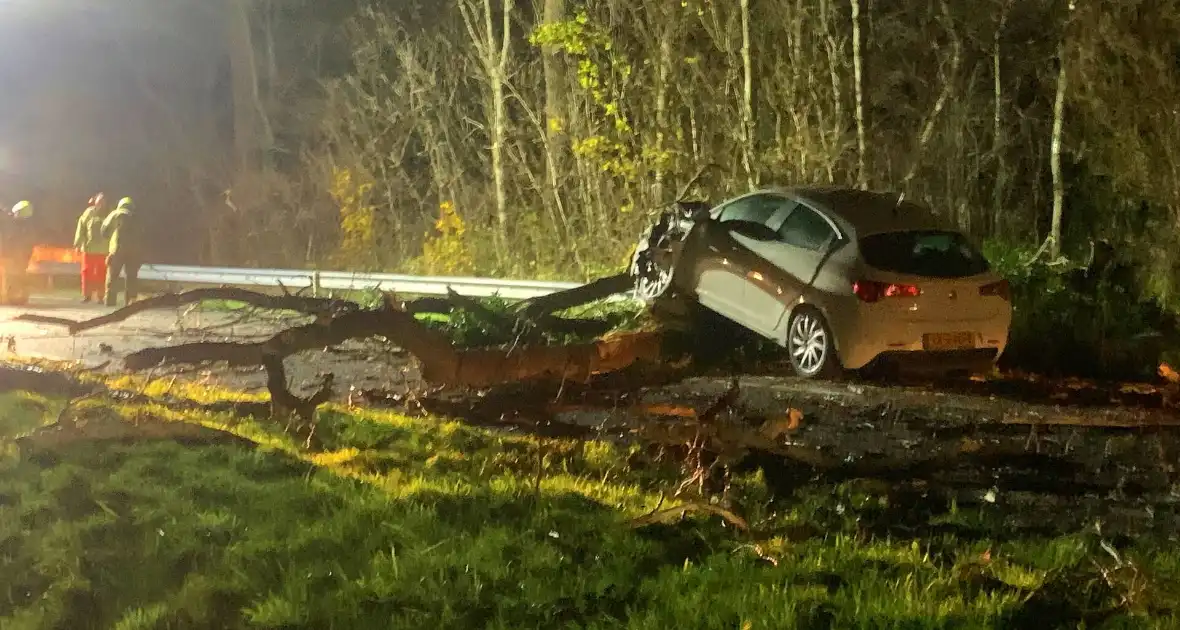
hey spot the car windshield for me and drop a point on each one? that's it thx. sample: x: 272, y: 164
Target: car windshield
x: 930, y: 253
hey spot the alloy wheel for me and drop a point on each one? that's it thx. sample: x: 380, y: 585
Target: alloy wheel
x: 808, y: 343
x: 653, y: 282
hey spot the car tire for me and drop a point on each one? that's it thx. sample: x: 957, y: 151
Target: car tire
x: 651, y: 270
x: 811, y: 346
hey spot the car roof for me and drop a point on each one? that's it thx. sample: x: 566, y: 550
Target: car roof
x: 867, y: 211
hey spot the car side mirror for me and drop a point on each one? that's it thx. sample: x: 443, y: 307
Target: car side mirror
x: 750, y: 229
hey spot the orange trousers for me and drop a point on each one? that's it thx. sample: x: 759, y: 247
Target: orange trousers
x: 94, y: 275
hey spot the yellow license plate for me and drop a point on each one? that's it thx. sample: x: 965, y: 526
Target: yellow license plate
x: 948, y: 341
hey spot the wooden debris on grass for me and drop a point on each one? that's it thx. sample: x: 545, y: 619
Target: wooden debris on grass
x: 730, y: 436
x: 671, y: 514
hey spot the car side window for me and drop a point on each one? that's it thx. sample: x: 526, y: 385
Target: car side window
x: 755, y: 209
x: 805, y: 228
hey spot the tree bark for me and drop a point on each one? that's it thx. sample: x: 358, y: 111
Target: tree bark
x: 661, y: 87
x: 499, y: 133
x: 999, y: 138
x: 499, y: 75
x: 555, y: 80
x: 748, y: 100
x: 858, y: 77
x: 562, y: 300
x: 1055, y: 154
x: 555, y: 125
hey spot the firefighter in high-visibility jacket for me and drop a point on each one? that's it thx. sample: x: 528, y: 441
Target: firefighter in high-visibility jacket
x: 17, y: 238
x: 125, y: 243
x: 88, y: 240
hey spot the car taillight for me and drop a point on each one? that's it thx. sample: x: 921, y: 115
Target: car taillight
x: 998, y: 289
x: 871, y: 291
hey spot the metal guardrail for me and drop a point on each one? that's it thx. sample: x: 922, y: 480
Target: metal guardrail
x: 331, y: 280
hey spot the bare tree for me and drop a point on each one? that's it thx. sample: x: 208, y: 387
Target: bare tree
x: 729, y: 29
x: 494, y: 51
x: 948, y: 76
x: 253, y: 135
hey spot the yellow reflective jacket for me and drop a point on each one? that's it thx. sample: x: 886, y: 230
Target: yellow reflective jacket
x: 88, y: 237
x: 121, y: 228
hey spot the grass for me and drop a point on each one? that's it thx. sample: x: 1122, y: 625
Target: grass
x: 425, y: 523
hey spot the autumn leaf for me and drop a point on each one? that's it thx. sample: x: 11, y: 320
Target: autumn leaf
x: 773, y: 429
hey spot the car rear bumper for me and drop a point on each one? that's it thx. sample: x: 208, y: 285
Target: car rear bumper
x: 864, y: 337
x: 938, y: 361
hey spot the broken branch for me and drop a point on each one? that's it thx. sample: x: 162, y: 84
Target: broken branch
x: 283, y: 400
x: 671, y: 514
x: 307, y: 305
x: 562, y: 300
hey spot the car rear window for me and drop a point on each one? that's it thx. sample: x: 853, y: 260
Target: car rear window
x: 931, y: 253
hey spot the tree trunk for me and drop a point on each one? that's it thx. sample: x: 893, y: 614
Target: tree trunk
x: 497, y: 65
x: 663, y: 72
x: 999, y: 138
x: 858, y: 77
x: 1055, y: 155
x: 498, y: 134
x: 555, y: 79
x: 747, y: 100
x: 555, y: 123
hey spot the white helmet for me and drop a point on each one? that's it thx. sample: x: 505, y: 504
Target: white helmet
x: 22, y: 210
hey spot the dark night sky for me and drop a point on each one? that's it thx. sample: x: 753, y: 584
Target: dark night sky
x: 105, y: 94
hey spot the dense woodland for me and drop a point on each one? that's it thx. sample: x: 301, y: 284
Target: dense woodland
x: 543, y: 134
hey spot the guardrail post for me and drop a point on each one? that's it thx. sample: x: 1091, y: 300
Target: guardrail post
x: 315, y: 283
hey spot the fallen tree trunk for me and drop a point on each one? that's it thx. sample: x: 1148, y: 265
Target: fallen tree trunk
x: 338, y: 322
x: 563, y: 300
x: 283, y: 400
x: 398, y: 326
x: 575, y: 363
